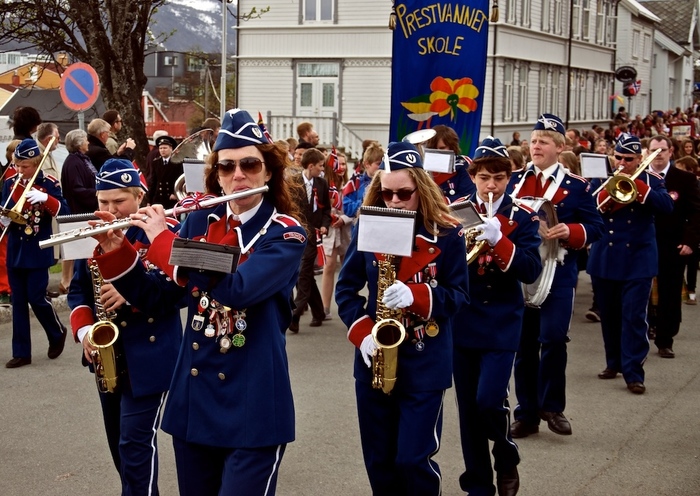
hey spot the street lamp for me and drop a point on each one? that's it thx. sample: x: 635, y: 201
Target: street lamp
x: 224, y: 43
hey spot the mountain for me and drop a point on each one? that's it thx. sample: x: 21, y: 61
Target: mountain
x: 195, y: 25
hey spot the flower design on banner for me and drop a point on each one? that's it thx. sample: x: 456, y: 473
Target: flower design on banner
x: 450, y: 95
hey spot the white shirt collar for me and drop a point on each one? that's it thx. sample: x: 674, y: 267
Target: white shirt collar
x: 496, y: 203
x: 245, y: 216
x: 664, y: 171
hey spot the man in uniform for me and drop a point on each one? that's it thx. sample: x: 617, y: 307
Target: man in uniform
x: 163, y: 174
x: 622, y: 264
x: 540, y: 364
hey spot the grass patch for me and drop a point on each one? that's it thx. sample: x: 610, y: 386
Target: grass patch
x: 56, y: 269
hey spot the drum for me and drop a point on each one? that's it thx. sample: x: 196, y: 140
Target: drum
x: 537, y: 292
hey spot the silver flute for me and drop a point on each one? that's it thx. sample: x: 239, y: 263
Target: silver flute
x: 86, y: 232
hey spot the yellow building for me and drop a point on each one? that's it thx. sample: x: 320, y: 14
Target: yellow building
x: 39, y: 75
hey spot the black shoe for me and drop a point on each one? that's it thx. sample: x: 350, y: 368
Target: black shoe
x: 18, y: 362
x: 55, y: 350
x: 667, y: 353
x: 608, y: 374
x: 521, y: 429
x: 636, y: 387
x: 294, y: 324
x: 508, y: 482
x: 51, y: 294
x: 316, y: 323
x: 557, y: 423
x: 593, y: 315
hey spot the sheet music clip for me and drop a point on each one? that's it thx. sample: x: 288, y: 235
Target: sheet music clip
x: 201, y: 255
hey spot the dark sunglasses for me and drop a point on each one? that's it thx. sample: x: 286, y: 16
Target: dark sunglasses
x: 626, y: 159
x: 403, y: 194
x: 248, y: 165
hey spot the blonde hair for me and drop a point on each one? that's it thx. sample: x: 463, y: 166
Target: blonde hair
x: 570, y: 161
x: 431, y: 205
x: 10, y: 151
x: 373, y: 153
x: 558, y: 138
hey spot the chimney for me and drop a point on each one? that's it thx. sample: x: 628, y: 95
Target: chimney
x: 15, y: 79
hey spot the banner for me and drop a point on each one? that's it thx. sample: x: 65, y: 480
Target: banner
x: 438, y: 67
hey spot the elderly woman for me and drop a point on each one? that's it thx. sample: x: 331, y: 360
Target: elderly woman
x: 78, y: 174
x: 230, y: 410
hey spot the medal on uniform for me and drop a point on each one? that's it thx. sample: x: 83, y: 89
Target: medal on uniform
x: 203, y: 302
x: 241, y: 325
x: 420, y: 346
x: 197, y: 322
x: 452, y: 188
x: 418, y: 331
x: 238, y: 340
x: 431, y: 328
x: 28, y: 230
x: 209, y: 331
x: 225, y: 344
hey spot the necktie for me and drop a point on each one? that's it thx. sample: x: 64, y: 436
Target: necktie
x: 309, y: 190
x: 232, y: 233
x: 482, y: 208
x: 539, y: 189
x: 662, y: 174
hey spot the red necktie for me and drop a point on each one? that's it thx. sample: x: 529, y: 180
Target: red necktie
x: 539, y: 189
x: 232, y: 234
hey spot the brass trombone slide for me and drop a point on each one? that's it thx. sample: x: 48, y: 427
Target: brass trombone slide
x: 622, y: 188
x: 86, y: 232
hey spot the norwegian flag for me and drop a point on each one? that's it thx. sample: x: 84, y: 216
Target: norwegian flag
x: 320, y: 253
x: 142, y: 178
x: 333, y: 160
x: 262, y: 127
x: 336, y: 198
x: 635, y: 87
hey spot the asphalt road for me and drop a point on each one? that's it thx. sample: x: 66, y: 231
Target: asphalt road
x: 52, y: 440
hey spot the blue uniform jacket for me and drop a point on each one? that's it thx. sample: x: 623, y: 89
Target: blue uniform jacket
x: 576, y: 208
x: 354, y: 193
x: 493, y: 318
x: 628, y: 249
x: 23, y: 250
x: 242, y: 398
x: 442, y: 257
x: 458, y: 184
x: 149, y: 323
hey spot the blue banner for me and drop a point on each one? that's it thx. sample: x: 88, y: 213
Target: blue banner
x: 438, y: 67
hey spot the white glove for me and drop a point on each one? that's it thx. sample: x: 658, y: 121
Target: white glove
x: 367, y: 349
x: 491, y: 231
x: 36, y: 196
x: 5, y: 221
x: 398, y: 295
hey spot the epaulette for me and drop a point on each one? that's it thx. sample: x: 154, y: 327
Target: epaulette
x: 51, y: 178
x: 655, y: 174
x: 286, y: 220
x: 580, y: 178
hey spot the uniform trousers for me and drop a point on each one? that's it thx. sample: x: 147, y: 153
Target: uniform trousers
x: 400, y: 434
x: 29, y: 288
x: 540, y: 363
x: 481, y: 386
x: 132, y: 426
x: 215, y: 471
x: 307, y: 290
x: 669, y: 308
x: 4, y: 282
x: 623, y: 320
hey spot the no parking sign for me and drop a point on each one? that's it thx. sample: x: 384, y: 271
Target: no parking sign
x: 80, y: 87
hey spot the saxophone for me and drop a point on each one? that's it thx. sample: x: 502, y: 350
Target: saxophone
x: 103, y: 337
x: 388, y: 332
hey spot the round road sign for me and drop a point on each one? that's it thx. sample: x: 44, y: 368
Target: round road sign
x: 80, y: 87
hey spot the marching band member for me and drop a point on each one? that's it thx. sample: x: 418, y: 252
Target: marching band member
x: 540, y: 364
x: 150, y: 331
x: 230, y: 408
x: 622, y: 265
x: 484, y: 352
x: 400, y: 432
x: 459, y: 183
x: 163, y: 174
x: 27, y: 264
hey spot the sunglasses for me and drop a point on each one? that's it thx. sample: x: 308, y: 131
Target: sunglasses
x: 626, y: 159
x: 247, y: 165
x: 403, y: 194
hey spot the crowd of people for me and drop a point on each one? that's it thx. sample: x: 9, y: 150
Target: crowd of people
x: 289, y: 211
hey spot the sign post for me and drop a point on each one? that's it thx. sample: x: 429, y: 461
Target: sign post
x: 80, y: 88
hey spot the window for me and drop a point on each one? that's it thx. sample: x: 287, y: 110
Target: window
x: 508, y: 91
x: 635, y: 44
x: 542, y: 90
x: 510, y: 11
x: 328, y: 94
x: 170, y: 61
x: 558, y: 16
x: 318, y: 69
x: 597, y: 78
x: 601, y: 10
x: 318, y: 10
x: 306, y: 94
x: 646, y: 47
x: 546, y: 13
x: 195, y: 64
x: 526, y: 7
x: 586, y: 20
x: 554, y: 95
x: 524, y: 74
x: 576, y: 19
x: 610, y: 27
x: 583, y: 87
x: 573, y: 94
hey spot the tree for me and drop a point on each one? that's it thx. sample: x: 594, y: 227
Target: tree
x: 110, y: 35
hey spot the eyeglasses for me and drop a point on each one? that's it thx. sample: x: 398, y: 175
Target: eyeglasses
x: 248, y: 165
x: 403, y: 194
x: 626, y: 159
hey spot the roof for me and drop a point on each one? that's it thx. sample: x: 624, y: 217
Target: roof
x: 639, y: 10
x: 678, y: 18
x: 50, y: 107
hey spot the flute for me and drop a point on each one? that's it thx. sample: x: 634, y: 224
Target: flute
x: 86, y: 232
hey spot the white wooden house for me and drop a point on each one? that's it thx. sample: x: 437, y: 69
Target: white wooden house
x: 329, y: 62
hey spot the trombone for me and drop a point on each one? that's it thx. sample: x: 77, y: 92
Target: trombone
x: 622, y: 189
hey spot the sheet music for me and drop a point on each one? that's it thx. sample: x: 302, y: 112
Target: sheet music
x: 386, y: 230
x: 194, y: 175
x: 594, y: 165
x: 439, y: 160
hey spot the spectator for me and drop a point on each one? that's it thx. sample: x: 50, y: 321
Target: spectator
x: 98, y: 133
x: 570, y: 161
x: 25, y: 120
x: 517, y: 161
x: 307, y: 134
x: 516, y: 139
x: 44, y: 133
x: 115, y: 121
